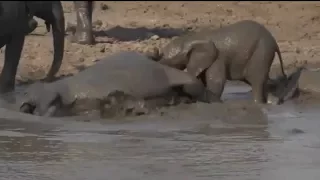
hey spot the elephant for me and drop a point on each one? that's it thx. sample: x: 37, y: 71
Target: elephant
x: 282, y: 89
x: 302, y: 80
x: 17, y: 16
x: 125, y: 81
x: 241, y: 51
x: 83, y: 31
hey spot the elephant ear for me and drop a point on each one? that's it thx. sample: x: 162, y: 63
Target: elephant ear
x: 201, y: 56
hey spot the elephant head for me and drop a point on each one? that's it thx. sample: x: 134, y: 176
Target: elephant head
x: 40, y: 99
x: 52, y: 13
x: 43, y: 99
x: 194, y: 56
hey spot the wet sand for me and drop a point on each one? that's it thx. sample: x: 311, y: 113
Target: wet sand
x: 200, y: 142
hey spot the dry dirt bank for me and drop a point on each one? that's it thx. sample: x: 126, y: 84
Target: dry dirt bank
x: 129, y: 25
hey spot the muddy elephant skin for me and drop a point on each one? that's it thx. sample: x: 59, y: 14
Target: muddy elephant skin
x: 17, y: 16
x: 241, y: 51
x: 125, y: 77
x: 282, y: 89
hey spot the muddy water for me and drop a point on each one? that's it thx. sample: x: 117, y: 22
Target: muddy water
x: 201, y: 142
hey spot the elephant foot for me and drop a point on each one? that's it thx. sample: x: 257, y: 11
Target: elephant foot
x: 49, y: 79
x: 209, y: 97
x: 6, y: 88
x: 83, y: 38
x: 281, y: 89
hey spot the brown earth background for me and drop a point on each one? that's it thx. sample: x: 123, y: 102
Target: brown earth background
x: 139, y: 25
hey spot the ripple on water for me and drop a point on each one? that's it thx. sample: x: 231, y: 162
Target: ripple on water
x: 225, y: 143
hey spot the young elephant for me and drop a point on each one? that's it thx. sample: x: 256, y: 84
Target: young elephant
x: 241, y: 51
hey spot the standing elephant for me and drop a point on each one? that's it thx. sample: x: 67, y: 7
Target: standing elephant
x: 241, y: 51
x: 17, y: 20
x: 84, y: 34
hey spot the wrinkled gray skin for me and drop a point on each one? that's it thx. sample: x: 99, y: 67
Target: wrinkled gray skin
x: 122, y: 78
x: 83, y: 33
x: 17, y: 17
x: 242, y: 51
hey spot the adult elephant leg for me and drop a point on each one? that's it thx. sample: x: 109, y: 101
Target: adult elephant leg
x: 84, y: 34
x: 52, y: 13
x: 12, y: 57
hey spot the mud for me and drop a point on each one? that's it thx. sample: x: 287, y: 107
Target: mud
x: 236, y: 140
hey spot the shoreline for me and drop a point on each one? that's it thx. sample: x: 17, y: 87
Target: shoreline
x: 140, y: 25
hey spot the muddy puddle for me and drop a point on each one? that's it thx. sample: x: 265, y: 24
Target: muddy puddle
x: 202, y: 142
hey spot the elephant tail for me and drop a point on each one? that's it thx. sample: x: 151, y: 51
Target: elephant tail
x: 281, y: 61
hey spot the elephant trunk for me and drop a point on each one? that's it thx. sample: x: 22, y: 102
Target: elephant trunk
x: 52, y: 13
x: 58, y: 31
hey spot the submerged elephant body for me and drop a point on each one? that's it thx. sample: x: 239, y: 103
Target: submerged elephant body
x: 241, y: 51
x: 17, y: 19
x: 302, y: 79
x: 130, y: 75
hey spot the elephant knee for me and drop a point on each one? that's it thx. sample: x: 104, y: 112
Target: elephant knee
x: 215, y: 82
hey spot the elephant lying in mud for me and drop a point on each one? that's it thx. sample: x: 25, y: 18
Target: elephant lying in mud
x: 123, y: 82
x: 17, y: 19
x: 241, y: 51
